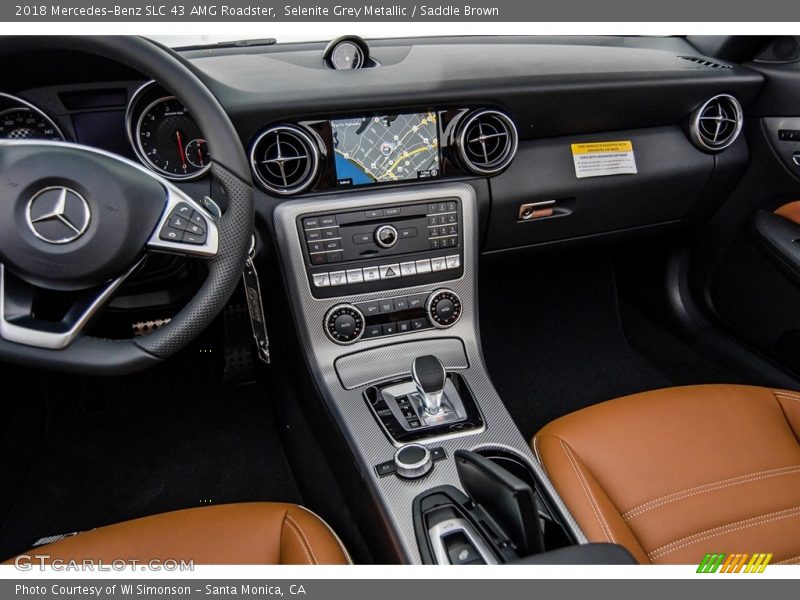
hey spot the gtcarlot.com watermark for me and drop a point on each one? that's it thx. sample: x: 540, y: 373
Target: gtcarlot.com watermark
x: 42, y: 562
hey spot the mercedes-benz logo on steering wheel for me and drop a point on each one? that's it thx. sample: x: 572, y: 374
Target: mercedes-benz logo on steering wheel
x: 58, y: 215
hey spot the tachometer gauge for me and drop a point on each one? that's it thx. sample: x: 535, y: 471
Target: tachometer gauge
x: 22, y: 123
x: 169, y: 141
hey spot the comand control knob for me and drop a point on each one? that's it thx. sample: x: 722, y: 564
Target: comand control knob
x: 386, y: 236
x: 413, y: 461
x: 443, y: 308
x: 344, y: 324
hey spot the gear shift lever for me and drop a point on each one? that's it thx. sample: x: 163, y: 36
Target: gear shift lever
x: 429, y: 377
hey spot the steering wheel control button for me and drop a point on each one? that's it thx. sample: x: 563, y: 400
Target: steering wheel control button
x: 386, y: 236
x: 171, y: 234
x: 443, y: 308
x: 178, y: 222
x: 185, y: 225
x: 344, y: 324
x: 413, y: 461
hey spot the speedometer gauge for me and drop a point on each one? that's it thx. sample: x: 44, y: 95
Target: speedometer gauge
x: 168, y: 139
x: 21, y: 120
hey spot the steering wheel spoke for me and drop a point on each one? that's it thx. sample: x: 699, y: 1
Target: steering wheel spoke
x: 20, y: 324
x: 185, y: 227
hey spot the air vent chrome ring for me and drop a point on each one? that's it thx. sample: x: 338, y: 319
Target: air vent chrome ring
x: 717, y: 123
x: 487, y: 142
x: 285, y: 159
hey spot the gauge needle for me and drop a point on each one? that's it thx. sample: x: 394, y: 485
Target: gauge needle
x: 180, y: 149
x: 200, y: 155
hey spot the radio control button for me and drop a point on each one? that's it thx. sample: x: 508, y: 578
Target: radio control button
x: 371, y: 274
x: 391, y: 212
x: 315, y: 247
x: 331, y: 233
x: 334, y: 257
x: 408, y: 268
x: 408, y: 233
x: 310, y: 222
x: 362, y: 238
x: 313, y: 236
x: 372, y: 214
x: 355, y: 276
x: 322, y: 280
x: 423, y: 266
x: 319, y: 259
x: 438, y: 264
x: 453, y: 262
x: 338, y: 278
x: 327, y: 221
x: 386, y: 236
x: 390, y: 271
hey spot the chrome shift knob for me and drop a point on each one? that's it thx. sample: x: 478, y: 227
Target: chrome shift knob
x: 429, y: 376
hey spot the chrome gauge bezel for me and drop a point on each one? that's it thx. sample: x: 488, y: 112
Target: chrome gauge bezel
x: 134, y: 116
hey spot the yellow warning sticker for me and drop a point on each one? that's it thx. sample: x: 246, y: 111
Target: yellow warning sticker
x: 597, y: 159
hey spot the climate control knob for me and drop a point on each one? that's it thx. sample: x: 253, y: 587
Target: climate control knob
x: 443, y: 308
x: 344, y: 324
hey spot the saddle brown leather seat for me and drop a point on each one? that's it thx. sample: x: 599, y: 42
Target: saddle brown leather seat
x: 673, y: 474
x: 249, y: 533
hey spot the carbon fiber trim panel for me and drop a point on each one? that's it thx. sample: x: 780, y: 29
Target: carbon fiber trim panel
x: 363, y: 367
x: 367, y: 440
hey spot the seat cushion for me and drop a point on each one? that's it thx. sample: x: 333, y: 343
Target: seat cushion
x: 248, y: 533
x: 673, y: 474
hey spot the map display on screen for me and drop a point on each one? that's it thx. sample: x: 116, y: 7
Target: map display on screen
x: 386, y: 148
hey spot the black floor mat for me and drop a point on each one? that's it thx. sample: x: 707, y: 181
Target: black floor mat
x: 553, y: 341
x: 100, y: 451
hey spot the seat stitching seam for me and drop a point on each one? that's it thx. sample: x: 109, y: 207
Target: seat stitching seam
x: 722, y: 530
x: 300, y: 538
x: 589, y: 495
x: 709, y: 487
x: 538, y: 456
x: 786, y: 395
x: 787, y: 561
x: 305, y: 538
x: 332, y: 532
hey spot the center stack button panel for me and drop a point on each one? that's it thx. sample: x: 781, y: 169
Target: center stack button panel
x: 360, y: 251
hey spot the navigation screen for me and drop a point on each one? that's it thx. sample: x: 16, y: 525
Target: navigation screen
x: 388, y: 148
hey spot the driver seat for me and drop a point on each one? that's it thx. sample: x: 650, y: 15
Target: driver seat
x: 243, y: 534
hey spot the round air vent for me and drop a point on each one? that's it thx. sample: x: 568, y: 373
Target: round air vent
x: 285, y: 159
x: 487, y: 142
x: 716, y: 125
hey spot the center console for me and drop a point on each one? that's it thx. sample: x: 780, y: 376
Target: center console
x: 384, y: 293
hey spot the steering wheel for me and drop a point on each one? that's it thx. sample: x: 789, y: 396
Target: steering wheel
x: 80, y: 220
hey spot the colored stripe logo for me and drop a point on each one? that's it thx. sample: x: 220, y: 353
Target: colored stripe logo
x: 734, y: 563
